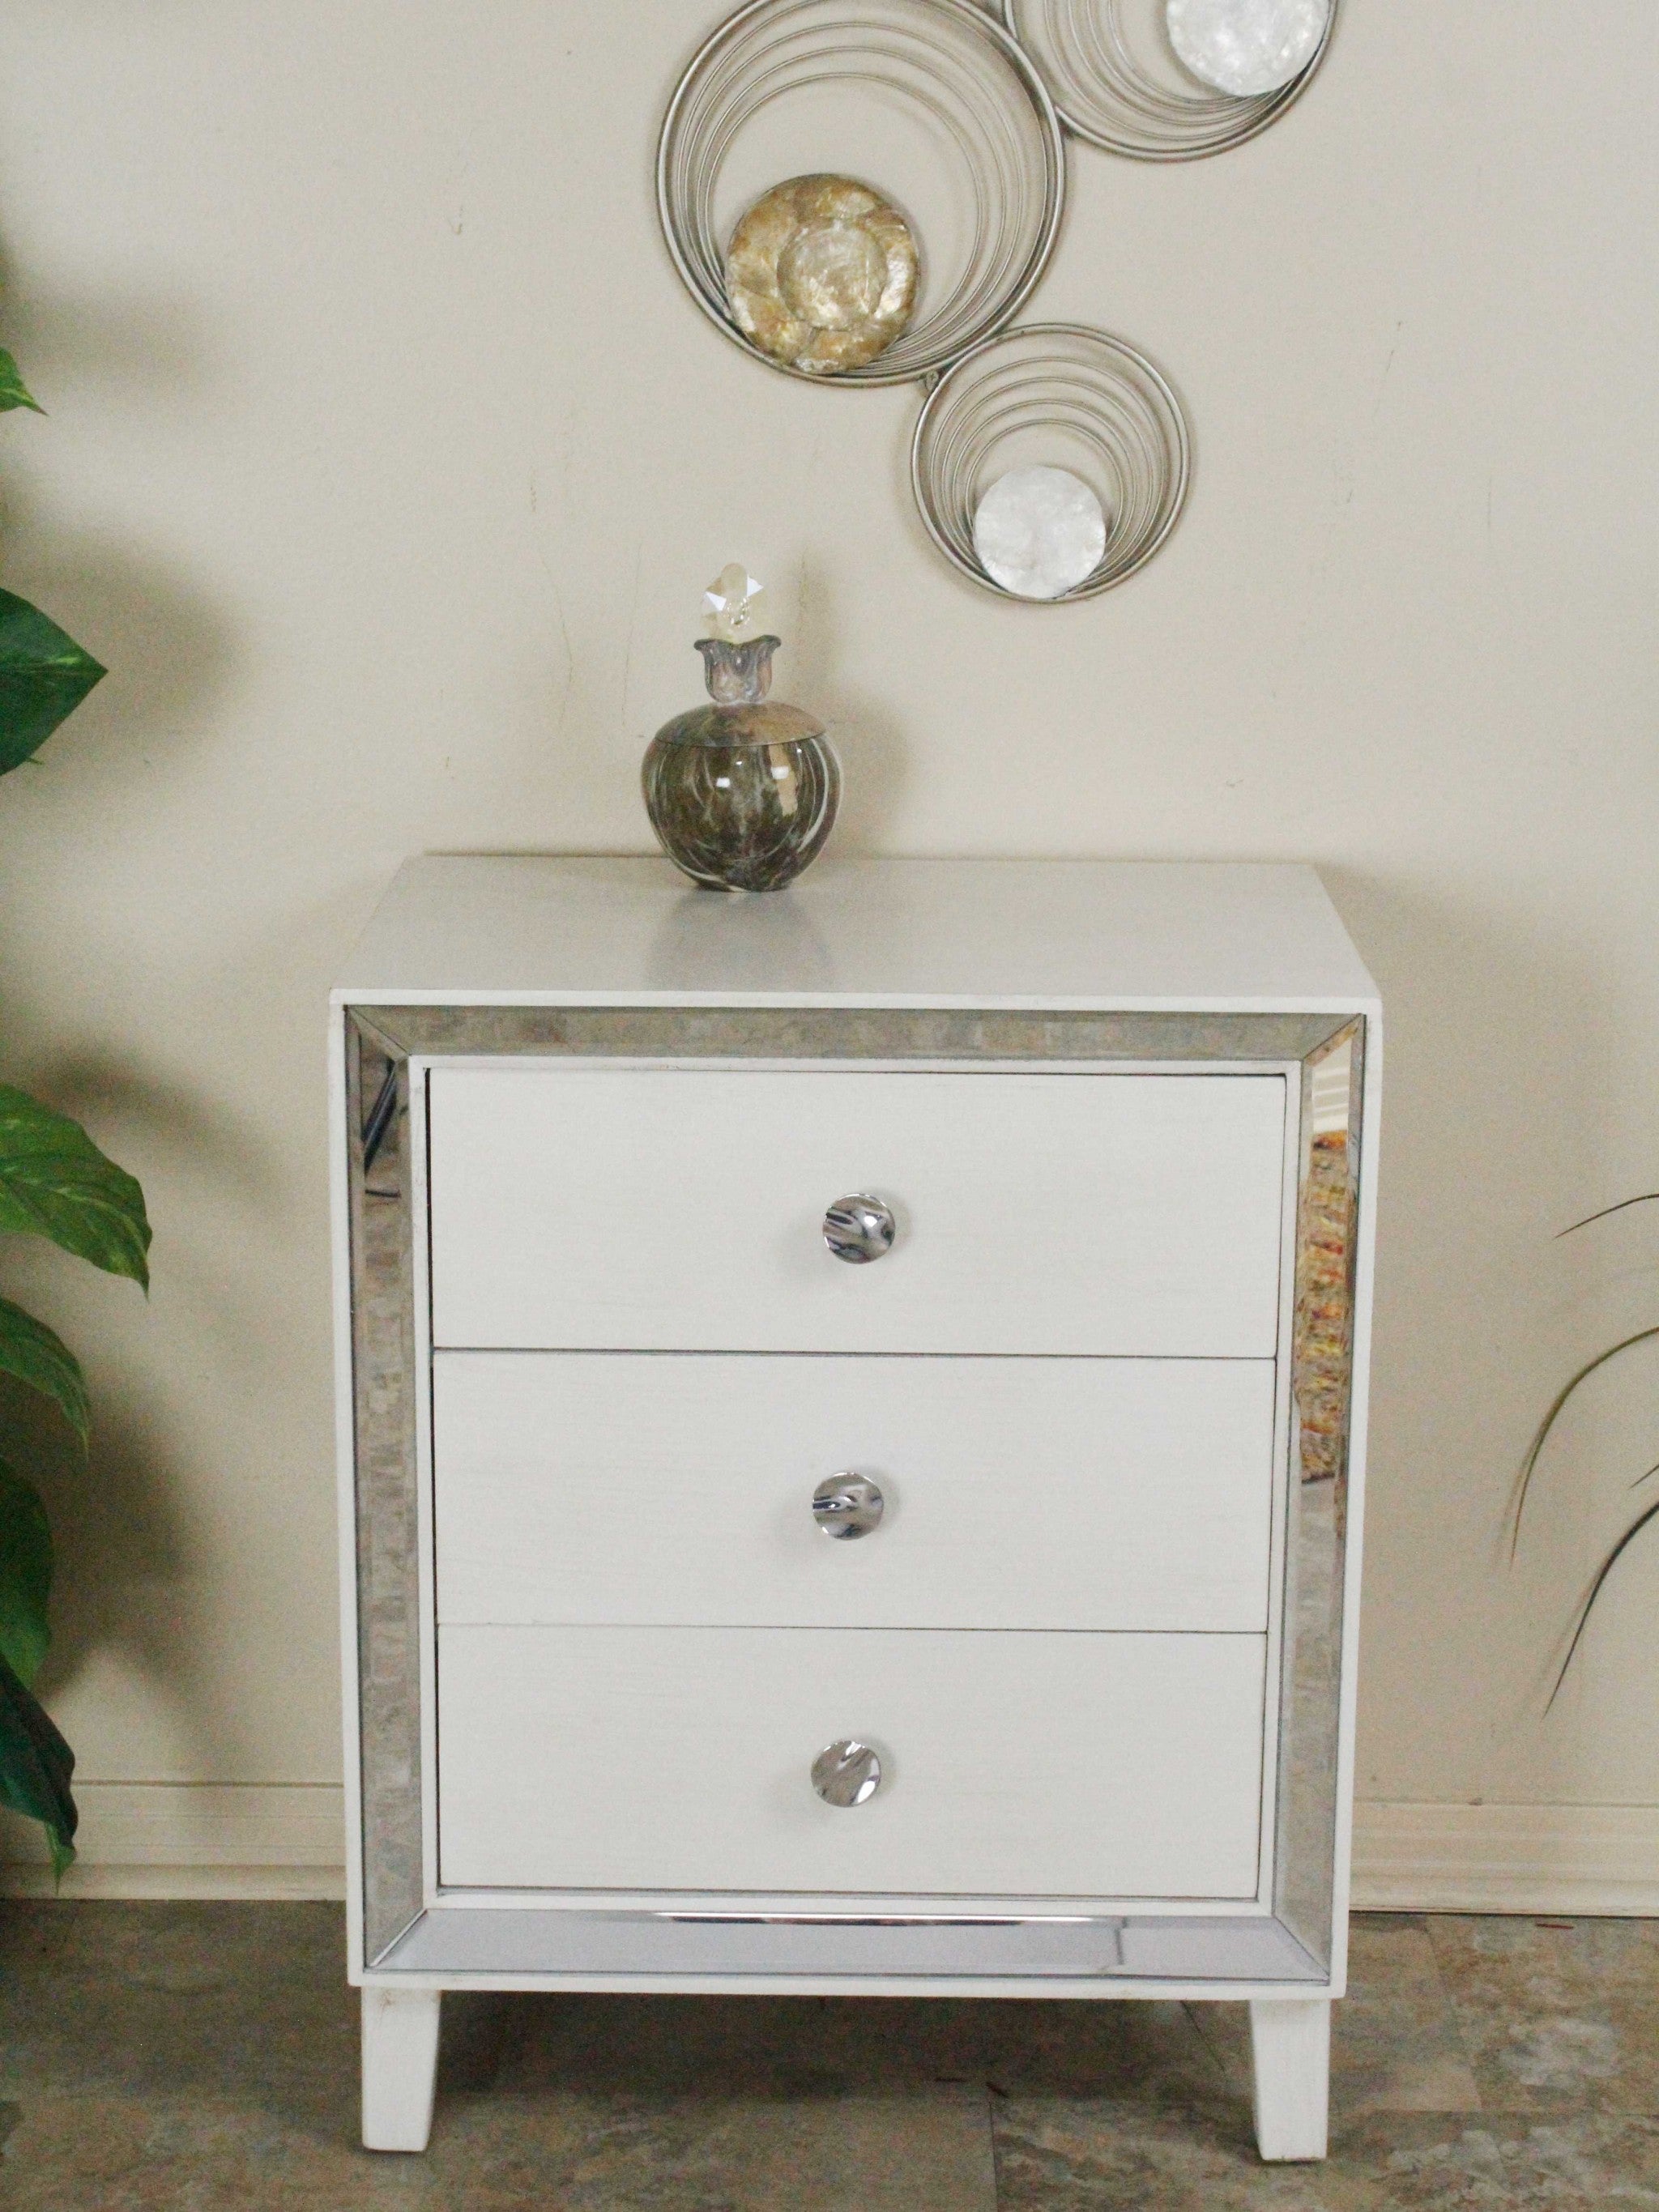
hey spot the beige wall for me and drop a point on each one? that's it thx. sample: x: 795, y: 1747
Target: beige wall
x: 385, y: 459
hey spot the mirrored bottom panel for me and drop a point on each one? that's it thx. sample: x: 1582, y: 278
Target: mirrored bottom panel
x: 519, y: 1940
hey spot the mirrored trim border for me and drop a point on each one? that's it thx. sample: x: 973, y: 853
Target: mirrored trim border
x: 399, y: 1933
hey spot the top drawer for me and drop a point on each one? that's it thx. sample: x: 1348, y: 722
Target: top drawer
x: 682, y: 1209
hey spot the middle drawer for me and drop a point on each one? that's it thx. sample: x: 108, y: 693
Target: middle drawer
x: 677, y: 1489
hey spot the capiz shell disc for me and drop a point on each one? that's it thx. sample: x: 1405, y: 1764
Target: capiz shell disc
x: 1246, y: 47
x: 822, y: 273
x: 1039, y: 532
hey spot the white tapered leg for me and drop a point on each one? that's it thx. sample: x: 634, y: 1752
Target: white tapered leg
x: 400, y: 2066
x: 1291, y: 2047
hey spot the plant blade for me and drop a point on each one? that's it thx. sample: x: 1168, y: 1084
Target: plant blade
x: 1596, y: 1589
x: 31, y: 1351
x: 1642, y: 1197
x: 14, y: 392
x: 1523, y: 1481
x: 44, y: 676
x: 36, y: 1766
x: 55, y: 1182
x: 25, y: 1576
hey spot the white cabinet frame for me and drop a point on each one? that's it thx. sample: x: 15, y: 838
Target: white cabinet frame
x: 1284, y: 1950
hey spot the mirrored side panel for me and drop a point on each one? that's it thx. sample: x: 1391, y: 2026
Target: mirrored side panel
x: 1321, y: 1394
x: 385, y: 1385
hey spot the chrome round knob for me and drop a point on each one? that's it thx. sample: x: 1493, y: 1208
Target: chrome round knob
x: 848, y: 1505
x: 859, y: 1228
x: 847, y: 1774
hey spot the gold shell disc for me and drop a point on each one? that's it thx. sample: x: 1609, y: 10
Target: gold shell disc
x: 822, y: 273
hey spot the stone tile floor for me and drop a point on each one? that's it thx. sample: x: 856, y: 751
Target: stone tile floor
x: 202, y: 2057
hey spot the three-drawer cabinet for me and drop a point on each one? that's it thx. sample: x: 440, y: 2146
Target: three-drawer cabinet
x: 851, y: 1423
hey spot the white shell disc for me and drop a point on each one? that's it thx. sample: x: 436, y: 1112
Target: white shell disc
x: 1038, y: 532
x: 1246, y: 47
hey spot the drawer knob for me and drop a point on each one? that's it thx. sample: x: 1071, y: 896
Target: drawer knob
x: 847, y: 1505
x: 859, y: 1228
x: 847, y: 1774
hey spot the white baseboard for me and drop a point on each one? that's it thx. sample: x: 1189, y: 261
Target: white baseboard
x: 272, y: 1840
x: 189, y: 1839
x: 1570, y: 1859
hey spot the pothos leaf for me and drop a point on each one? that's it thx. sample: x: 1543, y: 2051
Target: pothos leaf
x: 44, y: 676
x: 31, y: 1351
x: 12, y: 391
x: 36, y: 1765
x: 55, y: 1182
x: 25, y: 1575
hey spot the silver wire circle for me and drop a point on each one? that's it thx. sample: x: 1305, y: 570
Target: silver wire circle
x: 948, y: 58
x: 1106, y: 98
x: 1054, y: 376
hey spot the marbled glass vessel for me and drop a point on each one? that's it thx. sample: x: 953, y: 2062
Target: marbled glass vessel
x: 742, y: 792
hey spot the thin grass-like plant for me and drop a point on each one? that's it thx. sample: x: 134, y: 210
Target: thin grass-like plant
x: 1642, y: 1197
x: 1581, y: 1621
x: 1528, y: 1467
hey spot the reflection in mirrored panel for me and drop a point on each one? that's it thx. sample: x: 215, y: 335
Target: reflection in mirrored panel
x: 388, y: 1579
x: 1321, y: 1404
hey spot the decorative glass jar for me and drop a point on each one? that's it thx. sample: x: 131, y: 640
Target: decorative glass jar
x: 742, y: 792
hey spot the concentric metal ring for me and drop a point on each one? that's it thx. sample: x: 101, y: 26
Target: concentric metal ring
x: 953, y: 62
x: 1102, y: 400
x: 1107, y: 98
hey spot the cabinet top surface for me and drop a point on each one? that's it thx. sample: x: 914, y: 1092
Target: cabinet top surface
x: 1156, y: 935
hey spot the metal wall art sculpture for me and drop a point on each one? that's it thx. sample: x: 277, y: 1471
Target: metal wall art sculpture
x: 824, y: 276
x: 962, y: 76
x: 1085, y: 390
x: 1252, y: 57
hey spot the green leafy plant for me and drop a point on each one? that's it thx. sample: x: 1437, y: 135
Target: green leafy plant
x: 1541, y: 1435
x: 54, y: 1182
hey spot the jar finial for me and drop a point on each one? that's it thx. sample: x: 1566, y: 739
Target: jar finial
x: 732, y: 603
x: 737, y: 659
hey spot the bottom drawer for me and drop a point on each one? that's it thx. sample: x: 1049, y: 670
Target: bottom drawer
x: 1014, y: 1763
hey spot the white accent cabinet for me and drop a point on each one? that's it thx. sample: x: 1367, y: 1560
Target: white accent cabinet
x: 851, y: 1426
